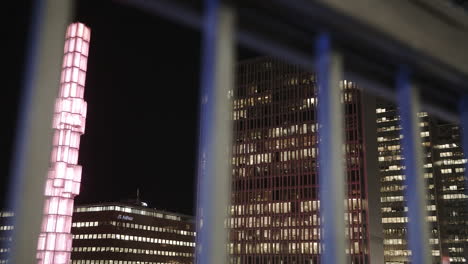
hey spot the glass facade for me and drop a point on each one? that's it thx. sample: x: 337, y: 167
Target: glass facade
x: 275, y: 204
x: 444, y: 174
x: 128, y: 234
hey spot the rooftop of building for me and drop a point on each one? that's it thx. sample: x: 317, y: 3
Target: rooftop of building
x: 134, y: 206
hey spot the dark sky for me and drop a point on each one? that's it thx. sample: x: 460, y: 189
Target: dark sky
x: 142, y: 93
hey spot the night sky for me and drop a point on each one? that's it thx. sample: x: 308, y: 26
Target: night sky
x: 142, y: 92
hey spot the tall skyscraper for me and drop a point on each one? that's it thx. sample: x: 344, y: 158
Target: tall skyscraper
x: 444, y: 171
x: 275, y: 201
x: 452, y: 198
x: 64, y: 176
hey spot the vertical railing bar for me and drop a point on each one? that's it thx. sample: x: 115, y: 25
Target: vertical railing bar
x: 215, y: 139
x: 463, y: 109
x: 34, y: 132
x: 331, y: 156
x: 415, y: 193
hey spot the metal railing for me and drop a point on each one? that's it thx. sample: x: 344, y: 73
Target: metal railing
x: 377, y: 43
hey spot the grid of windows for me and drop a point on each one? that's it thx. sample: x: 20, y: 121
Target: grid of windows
x: 394, y: 209
x: 453, y: 208
x: 127, y: 233
x: 275, y: 207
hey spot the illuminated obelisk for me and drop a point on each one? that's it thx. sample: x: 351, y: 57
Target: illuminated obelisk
x: 64, y: 176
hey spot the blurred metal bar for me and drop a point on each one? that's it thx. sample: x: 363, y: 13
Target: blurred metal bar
x: 215, y: 139
x: 464, y: 130
x: 169, y: 10
x: 271, y: 45
x: 34, y: 137
x: 415, y: 193
x: 329, y: 67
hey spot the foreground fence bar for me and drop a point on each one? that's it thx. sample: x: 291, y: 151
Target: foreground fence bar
x: 415, y: 193
x: 331, y: 155
x: 34, y: 136
x: 464, y: 136
x: 214, y: 156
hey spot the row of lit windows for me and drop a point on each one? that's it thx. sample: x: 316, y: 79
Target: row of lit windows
x: 455, y: 196
x: 267, y: 221
x: 6, y: 214
x: 390, y: 158
x: 107, y: 261
x: 445, y: 146
x: 390, y: 220
x: 135, y: 226
x: 290, y: 248
x: 457, y: 170
x: 7, y: 227
x: 392, y: 187
x: 134, y: 238
x: 388, y: 148
x: 407, y: 253
x: 127, y: 210
x: 392, y: 199
x: 389, y: 138
x: 431, y: 207
x: 133, y: 251
x: 285, y: 207
x: 245, y: 102
x: 453, y: 161
x: 387, y: 119
x: 388, y: 128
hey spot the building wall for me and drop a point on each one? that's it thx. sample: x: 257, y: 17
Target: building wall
x: 444, y: 172
x: 275, y: 206
x: 394, y: 217
x: 6, y: 229
x: 119, y: 233
x: 451, y: 189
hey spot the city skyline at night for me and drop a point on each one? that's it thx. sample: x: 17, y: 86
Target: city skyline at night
x: 345, y: 116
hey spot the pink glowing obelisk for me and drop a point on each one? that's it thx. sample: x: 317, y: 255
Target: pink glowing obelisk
x: 64, y: 176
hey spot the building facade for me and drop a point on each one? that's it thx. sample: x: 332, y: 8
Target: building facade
x: 123, y: 233
x: 275, y: 200
x: 6, y: 229
x: 452, y: 196
x: 444, y: 173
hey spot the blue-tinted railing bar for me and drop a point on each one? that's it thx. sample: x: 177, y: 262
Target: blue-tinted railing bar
x: 415, y: 193
x: 215, y: 139
x: 34, y: 133
x: 331, y: 156
x: 464, y: 134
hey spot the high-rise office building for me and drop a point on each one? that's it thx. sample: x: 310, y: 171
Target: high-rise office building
x: 444, y: 173
x: 452, y: 198
x: 6, y: 230
x: 64, y: 176
x: 275, y: 201
x: 124, y: 233
x: 394, y: 217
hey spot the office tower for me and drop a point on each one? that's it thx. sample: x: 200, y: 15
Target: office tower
x: 275, y: 201
x: 64, y: 176
x: 6, y: 229
x: 452, y: 205
x: 443, y: 169
x: 123, y: 233
x: 394, y: 217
